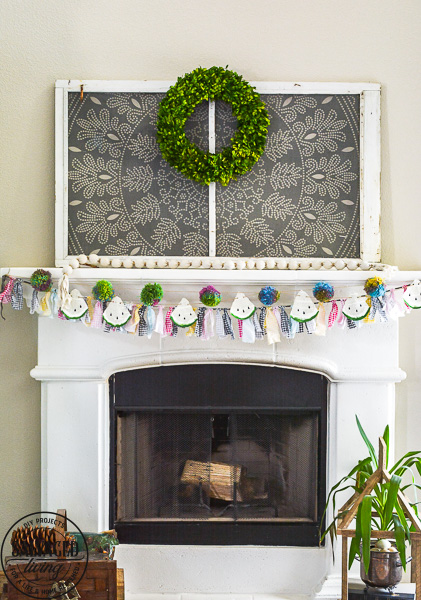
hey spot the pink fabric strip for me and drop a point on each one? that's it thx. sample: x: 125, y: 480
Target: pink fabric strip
x: 168, y: 322
x: 240, y: 328
x: 6, y: 295
x: 97, y: 316
x: 341, y: 316
x: 333, y: 315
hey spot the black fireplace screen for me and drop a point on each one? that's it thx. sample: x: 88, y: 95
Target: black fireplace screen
x: 216, y: 466
x: 249, y: 470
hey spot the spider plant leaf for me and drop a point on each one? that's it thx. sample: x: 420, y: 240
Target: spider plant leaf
x: 366, y: 529
x: 400, y: 539
x: 354, y: 548
x: 369, y: 445
x: 411, y: 485
x: 391, y: 500
x: 405, y: 459
x: 386, y: 439
x: 403, y: 520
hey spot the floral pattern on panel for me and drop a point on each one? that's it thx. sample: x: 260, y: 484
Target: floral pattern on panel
x: 300, y: 199
x: 302, y: 196
x: 124, y: 198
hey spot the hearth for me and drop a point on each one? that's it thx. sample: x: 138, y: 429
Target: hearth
x: 218, y: 454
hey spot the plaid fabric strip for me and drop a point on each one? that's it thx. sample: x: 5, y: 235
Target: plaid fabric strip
x: 262, y: 319
x: 17, y: 295
x: 333, y: 315
x: 378, y: 306
x: 258, y: 329
x: 199, y: 329
x: 34, y: 302
x: 226, y: 319
x: 285, y: 323
x: 311, y: 326
x: 219, y: 324
x: 350, y: 323
x: 143, y: 326
x: 301, y: 328
x: 107, y: 327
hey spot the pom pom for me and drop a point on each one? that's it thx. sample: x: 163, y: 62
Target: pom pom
x: 103, y: 291
x: 374, y: 287
x: 268, y: 295
x: 151, y: 294
x: 41, y: 280
x: 209, y: 296
x: 323, y: 291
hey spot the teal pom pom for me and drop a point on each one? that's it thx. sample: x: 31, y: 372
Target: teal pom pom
x: 268, y: 295
x: 374, y: 287
x: 103, y: 291
x: 210, y: 296
x: 151, y: 294
x: 41, y: 280
x: 323, y: 291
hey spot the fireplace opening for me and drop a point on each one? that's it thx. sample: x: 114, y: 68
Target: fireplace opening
x: 218, y: 454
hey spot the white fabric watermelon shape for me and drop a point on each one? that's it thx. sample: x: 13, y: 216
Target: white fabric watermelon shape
x: 75, y: 307
x: 303, y: 309
x: 116, y: 314
x: 412, y: 295
x: 242, y: 308
x: 356, y: 307
x: 183, y: 315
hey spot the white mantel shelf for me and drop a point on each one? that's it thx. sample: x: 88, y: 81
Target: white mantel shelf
x: 229, y: 277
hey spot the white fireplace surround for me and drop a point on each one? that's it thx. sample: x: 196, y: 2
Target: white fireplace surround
x: 74, y: 364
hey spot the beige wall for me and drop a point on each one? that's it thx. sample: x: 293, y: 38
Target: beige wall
x: 307, y: 40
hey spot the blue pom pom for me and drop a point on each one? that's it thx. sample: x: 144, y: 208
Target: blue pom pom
x: 268, y: 295
x: 323, y: 291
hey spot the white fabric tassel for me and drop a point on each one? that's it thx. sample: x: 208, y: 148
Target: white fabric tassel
x: 272, y: 327
x: 249, y: 332
x: 63, y: 292
x: 159, y: 325
x: 321, y: 320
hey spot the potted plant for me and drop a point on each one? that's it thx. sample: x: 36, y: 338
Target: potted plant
x: 382, y: 507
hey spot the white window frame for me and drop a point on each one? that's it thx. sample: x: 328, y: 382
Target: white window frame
x: 370, y: 157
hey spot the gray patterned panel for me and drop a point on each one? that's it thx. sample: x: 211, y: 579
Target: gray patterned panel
x: 302, y: 196
x: 300, y: 199
x: 124, y: 199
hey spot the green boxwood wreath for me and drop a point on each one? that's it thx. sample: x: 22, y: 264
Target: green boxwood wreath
x: 247, y: 144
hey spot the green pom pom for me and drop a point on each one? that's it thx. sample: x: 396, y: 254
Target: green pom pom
x: 103, y: 291
x: 41, y: 280
x: 210, y: 296
x: 151, y: 294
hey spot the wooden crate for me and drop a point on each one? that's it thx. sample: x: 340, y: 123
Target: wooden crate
x: 98, y: 583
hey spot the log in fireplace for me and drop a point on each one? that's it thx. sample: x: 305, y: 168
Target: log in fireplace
x: 218, y: 454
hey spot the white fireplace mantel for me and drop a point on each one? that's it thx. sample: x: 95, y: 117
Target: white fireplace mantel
x: 74, y: 364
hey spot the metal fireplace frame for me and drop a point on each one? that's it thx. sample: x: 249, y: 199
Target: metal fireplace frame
x: 281, y: 390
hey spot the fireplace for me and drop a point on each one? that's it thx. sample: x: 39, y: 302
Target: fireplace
x: 358, y: 370
x: 218, y: 454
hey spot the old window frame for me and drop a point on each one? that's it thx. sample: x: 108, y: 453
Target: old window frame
x: 370, y: 156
